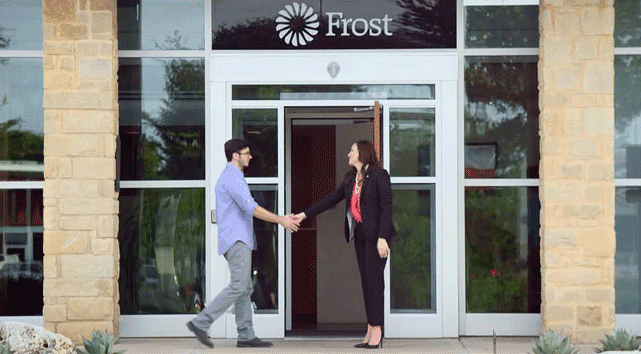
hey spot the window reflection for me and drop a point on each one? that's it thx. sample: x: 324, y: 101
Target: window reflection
x: 627, y: 23
x: 162, y: 118
x: 502, y: 26
x: 628, y: 250
x: 21, y: 120
x: 502, y: 247
x: 259, y: 128
x: 412, y: 142
x: 21, y: 25
x: 413, y: 259
x: 501, y: 111
x: 21, y: 253
x: 332, y: 92
x: 161, y: 24
x: 265, y: 256
x: 162, y: 251
x: 627, y: 115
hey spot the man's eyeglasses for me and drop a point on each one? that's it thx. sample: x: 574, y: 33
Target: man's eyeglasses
x: 244, y: 153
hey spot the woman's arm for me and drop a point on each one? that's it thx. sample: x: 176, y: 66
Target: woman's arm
x: 384, y: 186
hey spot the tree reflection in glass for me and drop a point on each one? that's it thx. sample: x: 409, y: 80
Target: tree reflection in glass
x: 412, y: 261
x: 627, y: 116
x: 502, y: 250
x: 412, y: 148
x: 501, y: 108
x: 162, y: 118
x: 162, y: 251
x: 259, y: 128
x: 502, y: 26
x: 21, y: 120
x: 265, y: 256
x: 627, y: 23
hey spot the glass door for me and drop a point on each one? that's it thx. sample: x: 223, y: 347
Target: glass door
x: 419, y: 133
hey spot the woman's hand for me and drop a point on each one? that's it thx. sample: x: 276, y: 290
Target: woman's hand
x: 383, y: 248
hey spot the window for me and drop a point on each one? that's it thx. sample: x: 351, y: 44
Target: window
x: 21, y: 158
x: 501, y: 154
x: 627, y: 154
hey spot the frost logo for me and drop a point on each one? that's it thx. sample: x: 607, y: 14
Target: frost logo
x: 297, y: 24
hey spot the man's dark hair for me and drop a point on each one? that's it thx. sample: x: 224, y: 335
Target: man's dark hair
x: 234, y: 145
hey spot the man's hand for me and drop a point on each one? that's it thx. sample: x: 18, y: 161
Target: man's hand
x: 290, y: 222
x: 300, y: 217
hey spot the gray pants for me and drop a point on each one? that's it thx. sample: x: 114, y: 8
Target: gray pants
x: 238, y: 293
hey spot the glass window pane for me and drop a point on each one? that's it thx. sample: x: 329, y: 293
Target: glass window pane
x: 501, y: 117
x: 333, y: 24
x: 502, y: 26
x: 413, y: 255
x: 161, y: 24
x: 265, y: 256
x: 627, y: 116
x: 627, y: 23
x: 162, y: 251
x: 162, y: 118
x: 332, y: 92
x: 502, y: 263
x: 259, y: 128
x: 21, y: 119
x: 21, y: 24
x: 627, y: 225
x: 412, y: 142
x: 21, y: 252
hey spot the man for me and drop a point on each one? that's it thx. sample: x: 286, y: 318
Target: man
x: 235, y: 209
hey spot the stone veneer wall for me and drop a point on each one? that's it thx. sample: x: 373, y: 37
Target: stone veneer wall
x: 576, y: 82
x: 81, y: 261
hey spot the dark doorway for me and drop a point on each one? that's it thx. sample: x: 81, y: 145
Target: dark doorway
x: 325, y: 284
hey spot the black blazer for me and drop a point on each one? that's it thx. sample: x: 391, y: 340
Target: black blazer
x: 376, y: 204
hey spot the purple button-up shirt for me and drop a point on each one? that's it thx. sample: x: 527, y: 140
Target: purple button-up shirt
x: 234, y: 209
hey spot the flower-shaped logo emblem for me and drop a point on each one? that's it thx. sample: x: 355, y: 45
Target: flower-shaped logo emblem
x: 297, y: 24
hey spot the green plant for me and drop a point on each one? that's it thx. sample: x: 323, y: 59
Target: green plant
x: 554, y: 343
x: 619, y: 340
x: 5, y: 349
x: 100, y: 343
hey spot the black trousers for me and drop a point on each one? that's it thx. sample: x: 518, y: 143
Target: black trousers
x: 371, y: 267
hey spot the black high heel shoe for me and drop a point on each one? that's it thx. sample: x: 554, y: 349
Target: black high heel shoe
x: 361, y: 345
x: 379, y: 345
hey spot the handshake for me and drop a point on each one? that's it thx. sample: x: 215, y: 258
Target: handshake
x: 292, y: 222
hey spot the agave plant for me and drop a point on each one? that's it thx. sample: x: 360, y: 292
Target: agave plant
x: 619, y: 340
x: 554, y: 343
x: 100, y: 343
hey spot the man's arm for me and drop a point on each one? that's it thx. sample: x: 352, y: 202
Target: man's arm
x: 288, y: 222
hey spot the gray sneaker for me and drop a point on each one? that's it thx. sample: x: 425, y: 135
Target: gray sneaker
x: 253, y: 343
x: 200, y: 335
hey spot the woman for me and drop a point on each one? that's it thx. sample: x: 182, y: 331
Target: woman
x: 368, y: 220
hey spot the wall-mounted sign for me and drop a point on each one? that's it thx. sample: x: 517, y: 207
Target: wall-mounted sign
x: 334, y: 24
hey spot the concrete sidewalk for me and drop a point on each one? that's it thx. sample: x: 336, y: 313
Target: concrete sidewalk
x: 479, y: 345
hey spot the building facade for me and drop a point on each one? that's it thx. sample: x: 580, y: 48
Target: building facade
x: 510, y: 130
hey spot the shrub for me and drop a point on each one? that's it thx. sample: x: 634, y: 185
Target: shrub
x: 554, y: 343
x: 100, y: 343
x: 619, y: 340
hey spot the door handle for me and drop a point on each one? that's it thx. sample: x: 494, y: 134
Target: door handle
x: 213, y: 216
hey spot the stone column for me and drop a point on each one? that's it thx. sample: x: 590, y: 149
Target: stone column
x: 81, y: 261
x: 576, y: 85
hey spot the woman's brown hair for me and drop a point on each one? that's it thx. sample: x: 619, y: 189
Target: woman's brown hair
x: 366, y: 155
